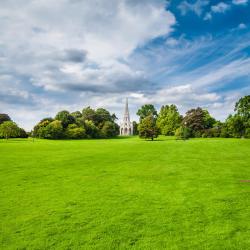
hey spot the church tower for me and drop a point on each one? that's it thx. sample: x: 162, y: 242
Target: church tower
x: 126, y: 127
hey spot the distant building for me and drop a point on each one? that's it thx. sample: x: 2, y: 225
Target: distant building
x: 126, y: 127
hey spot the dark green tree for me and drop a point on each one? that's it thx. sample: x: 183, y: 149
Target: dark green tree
x: 92, y: 131
x: 65, y: 117
x: 135, y: 128
x: 103, y: 115
x: 147, y: 128
x: 4, y: 118
x: 109, y: 129
x: 209, y: 121
x: 89, y: 114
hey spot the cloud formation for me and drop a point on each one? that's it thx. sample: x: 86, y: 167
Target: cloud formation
x: 196, y: 7
x: 68, y: 54
x: 240, y: 2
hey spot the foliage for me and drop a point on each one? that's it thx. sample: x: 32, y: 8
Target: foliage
x: 146, y: 110
x: 40, y: 129
x: 4, y: 118
x: 75, y: 132
x: 54, y: 130
x: 9, y: 129
x: 91, y: 130
x: 135, y: 128
x: 89, y: 123
x: 109, y: 129
x: 89, y: 114
x: 209, y: 121
x: 242, y: 108
x: 147, y: 128
x: 194, y: 120
x: 235, y: 126
x: 211, y: 132
x: 168, y: 119
x: 197, y: 120
x: 65, y: 117
x: 182, y: 133
x: 76, y: 114
x: 22, y: 133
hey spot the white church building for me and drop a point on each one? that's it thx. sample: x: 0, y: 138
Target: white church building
x: 126, y: 127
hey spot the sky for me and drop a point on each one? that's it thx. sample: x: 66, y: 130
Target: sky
x: 69, y: 54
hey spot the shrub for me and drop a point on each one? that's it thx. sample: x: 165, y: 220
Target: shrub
x: 54, y: 130
x: 91, y: 130
x: 183, y: 133
x: 109, y: 129
x: 75, y: 132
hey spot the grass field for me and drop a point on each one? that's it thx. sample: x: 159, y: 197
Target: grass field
x: 125, y: 194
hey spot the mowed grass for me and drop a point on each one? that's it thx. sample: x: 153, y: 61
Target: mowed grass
x: 125, y: 194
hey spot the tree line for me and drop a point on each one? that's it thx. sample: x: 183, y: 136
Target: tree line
x: 100, y: 123
x: 197, y: 122
x: 89, y: 123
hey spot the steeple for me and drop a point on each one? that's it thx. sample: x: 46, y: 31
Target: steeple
x: 126, y: 127
x: 126, y: 112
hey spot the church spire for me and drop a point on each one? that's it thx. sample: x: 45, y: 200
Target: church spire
x: 126, y: 107
x: 126, y: 127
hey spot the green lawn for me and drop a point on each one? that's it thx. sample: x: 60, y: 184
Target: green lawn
x: 125, y: 194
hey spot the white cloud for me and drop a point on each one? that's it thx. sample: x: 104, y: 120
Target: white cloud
x: 215, y: 9
x: 242, y: 26
x: 220, y: 7
x: 208, y: 16
x: 197, y: 7
x: 240, y: 2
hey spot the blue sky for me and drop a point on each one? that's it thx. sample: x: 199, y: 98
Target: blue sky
x: 68, y: 54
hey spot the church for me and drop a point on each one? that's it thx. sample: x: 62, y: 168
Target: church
x: 126, y: 127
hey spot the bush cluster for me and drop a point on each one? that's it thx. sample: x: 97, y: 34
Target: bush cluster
x: 89, y: 123
x: 197, y: 122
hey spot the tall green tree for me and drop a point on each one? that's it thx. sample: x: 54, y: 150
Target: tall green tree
x: 209, y: 121
x: 242, y: 107
x: 146, y: 110
x: 9, y: 129
x: 235, y: 126
x: 89, y: 114
x: 103, y: 116
x: 168, y: 120
x: 147, y: 128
